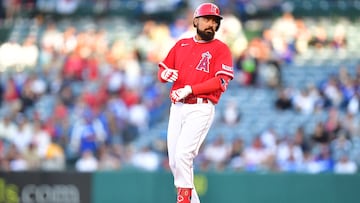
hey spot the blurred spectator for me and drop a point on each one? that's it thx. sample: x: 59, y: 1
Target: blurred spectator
x: 139, y: 116
x: 28, y: 57
x: 314, y: 93
x: 302, y: 140
x: 231, y: 114
x: 319, y: 134
x: 66, y: 95
x: 11, y: 94
x: 289, y: 156
x: 331, y: 90
x: 270, y: 73
x: 73, y: 67
x: 87, y: 162
x: 32, y: 157
x: 236, y: 154
x: 117, y: 115
x: 8, y: 54
x: 302, y: 37
x: 40, y: 139
x: 16, y: 160
x: 348, y: 90
x: 27, y: 97
x: 107, y: 161
x: 303, y: 102
x: 87, y: 134
x: 345, y: 166
x: 144, y: 42
x: 7, y: 128
x: 285, y: 27
x: 284, y: 31
x: 320, y: 38
x: 146, y: 159
x: 269, y: 139
x: 23, y: 136
x: 332, y: 124
x: 54, y: 159
x: 339, y: 39
x: 353, y: 106
x: 52, y: 40
x: 247, y: 64
x: 323, y: 158
x: 341, y: 145
x: 310, y: 165
x: 232, y: 33
x: 18, y: 163
x: 283, y: 100
x: 178, y: 27
x: 129, y: 133
x: 200, y: 163
x: 350, y: 124
x: 257, y: 157
x: 217, y: 153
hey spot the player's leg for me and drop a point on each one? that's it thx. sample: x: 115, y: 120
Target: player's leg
x: 194, y: 196
x: 173, y: 132
x: 197, y: 122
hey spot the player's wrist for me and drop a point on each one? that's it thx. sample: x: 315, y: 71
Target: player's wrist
x: 188, y: 89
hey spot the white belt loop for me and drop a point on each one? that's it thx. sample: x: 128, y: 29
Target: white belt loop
x: 199, y: 100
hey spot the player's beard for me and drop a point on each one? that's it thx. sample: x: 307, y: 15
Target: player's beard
x: 207, y: 34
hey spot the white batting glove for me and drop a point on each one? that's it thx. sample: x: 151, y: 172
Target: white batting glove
x: 179, y: 94
x: 169, y: 75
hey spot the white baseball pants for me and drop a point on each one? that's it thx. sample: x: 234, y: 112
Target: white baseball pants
x: 187, y: 129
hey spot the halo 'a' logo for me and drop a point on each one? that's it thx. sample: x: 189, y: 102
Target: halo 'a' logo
x: 180, y: 198
x: 204, y: 62
x: 214, y: 9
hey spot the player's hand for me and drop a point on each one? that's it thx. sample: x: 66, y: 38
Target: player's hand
x: 169, y: 75
x: 179, y: 94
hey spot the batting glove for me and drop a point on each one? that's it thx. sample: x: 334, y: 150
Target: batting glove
x: 179, y: 94
x: 169, y: 74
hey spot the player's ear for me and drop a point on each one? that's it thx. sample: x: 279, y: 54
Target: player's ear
x: 195, y: 22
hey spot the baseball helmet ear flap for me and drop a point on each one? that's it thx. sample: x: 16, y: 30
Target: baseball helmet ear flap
x: 218, y: 21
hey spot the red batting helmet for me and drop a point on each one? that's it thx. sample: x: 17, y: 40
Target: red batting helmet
x: 207, y: 9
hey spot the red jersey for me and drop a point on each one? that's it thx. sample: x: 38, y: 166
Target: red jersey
x: 199, y: 61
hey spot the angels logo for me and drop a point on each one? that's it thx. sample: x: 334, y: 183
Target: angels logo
x: 204, y: 62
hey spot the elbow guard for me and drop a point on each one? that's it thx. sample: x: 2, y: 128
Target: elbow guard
x: 223, y: 84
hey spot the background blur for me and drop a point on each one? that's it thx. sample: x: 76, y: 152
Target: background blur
x: 79, y: 99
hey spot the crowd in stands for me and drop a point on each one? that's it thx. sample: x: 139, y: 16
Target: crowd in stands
x: 80, y: 98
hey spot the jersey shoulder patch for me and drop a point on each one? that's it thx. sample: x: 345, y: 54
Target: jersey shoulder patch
x: 227, y: 68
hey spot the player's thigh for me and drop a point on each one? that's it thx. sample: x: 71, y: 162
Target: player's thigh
x: 198, y: 121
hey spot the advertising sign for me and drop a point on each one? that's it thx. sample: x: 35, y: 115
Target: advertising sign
x: 45, y: 187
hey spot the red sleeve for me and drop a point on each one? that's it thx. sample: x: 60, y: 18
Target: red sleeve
x: 211, y: 85
x: 224, y: 62
x: 168, y: 62
x: 161, y: 69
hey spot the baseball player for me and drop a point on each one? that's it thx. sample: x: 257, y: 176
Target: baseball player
x: 200, y: 69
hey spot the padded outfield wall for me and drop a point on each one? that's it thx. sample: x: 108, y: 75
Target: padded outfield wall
x: 141, y: 187
x: 135, y: 187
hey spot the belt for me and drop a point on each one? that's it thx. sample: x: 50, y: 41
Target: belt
x: 195, y: 100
